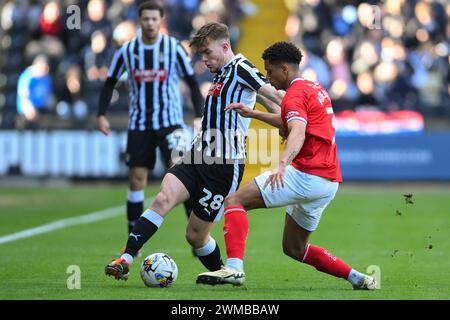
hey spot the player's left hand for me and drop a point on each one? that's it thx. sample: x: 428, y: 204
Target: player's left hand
x: 240, y: 108
x: 276, y: 178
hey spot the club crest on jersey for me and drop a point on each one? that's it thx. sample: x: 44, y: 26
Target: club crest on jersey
x: 215, y: 89
x: 150, y: 75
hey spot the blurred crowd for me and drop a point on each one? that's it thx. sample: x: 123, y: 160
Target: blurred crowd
x: 384, y: 55
x: 55, y: 55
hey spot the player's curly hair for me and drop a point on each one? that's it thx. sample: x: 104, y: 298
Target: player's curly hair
x: 281, y: 52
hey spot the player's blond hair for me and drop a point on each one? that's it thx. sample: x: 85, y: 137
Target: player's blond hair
x: 211, y: 31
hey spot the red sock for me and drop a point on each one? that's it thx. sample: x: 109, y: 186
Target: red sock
x: 324, y: 261
x: 235, y: 231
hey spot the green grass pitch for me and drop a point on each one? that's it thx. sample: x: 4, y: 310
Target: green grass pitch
x: 409, y: 242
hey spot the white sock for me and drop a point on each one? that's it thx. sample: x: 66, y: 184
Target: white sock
x: 153, y: 217
x: 128, y: 258
x: 207, y: 248
x: 355, y: 278
x: 235, y: 264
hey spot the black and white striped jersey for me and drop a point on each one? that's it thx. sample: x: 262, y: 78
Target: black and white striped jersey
x: 153, y: 75
x: 224, y: 133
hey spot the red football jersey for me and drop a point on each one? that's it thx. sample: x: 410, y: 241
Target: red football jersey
x: 309, y: 102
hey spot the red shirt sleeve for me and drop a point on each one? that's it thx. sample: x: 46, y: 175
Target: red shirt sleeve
x: 295, y: 109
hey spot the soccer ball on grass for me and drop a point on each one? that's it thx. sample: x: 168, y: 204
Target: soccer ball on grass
x: 159, y: 270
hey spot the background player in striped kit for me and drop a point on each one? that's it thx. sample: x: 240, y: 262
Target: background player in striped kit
x: 154, y: 63
x: 213, y: 168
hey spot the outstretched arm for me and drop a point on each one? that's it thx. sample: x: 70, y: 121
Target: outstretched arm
x: 269, y: 105
x: 270, y: 98
x: 247, y: 112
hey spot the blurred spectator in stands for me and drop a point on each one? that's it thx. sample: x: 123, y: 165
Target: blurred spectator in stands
x: 342, y: 86
x: 121, y: 10
x: 32, y: 27
x: 365, y: 57
x: 33, y: 17
x: 446, y: 93
x: 50, y: 21
x: 393, y: 53
x: 396, y: 51
x: 50, y: 37
x: 229, y: 12
x: 232, y: 16
x: 35, y: 90
x: 430, y: 16
x: 315, y: 69
x: 71, y: 103
x: 97, y: 57
x: 14, y: 15
x: 429, y: 73
x: 96, y: 21
x: 308, y: 23
x: 180, y: 14
x: 365, y: 84
x: 343, y: 19
x: 124, y: 32
x: 209, y: 10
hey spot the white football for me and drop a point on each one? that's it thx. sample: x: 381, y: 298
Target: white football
x: 159, y: 270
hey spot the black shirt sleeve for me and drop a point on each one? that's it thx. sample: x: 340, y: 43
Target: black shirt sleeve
x: 250, y: 76
x: 105, y: 96
x: 196, y: 96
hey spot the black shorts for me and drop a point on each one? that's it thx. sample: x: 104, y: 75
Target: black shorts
x: 141, y: 146
x: 208, y: 185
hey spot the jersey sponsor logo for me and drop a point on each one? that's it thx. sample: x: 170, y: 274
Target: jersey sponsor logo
x: 215, y: 89
x: 149, y: 75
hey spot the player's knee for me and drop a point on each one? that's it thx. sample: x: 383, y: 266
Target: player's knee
x: 194, y: 238
x: 294, y: 251
x: 287, y: 250
x: 137, y: 182
x: 163, y: 202
x: 233, y: 200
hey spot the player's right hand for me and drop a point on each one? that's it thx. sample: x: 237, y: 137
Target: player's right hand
x: 276, y: 178
x: 103, y: 125
x: 240, y: 108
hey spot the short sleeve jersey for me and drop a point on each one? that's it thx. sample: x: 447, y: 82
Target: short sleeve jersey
x: 309, y: 102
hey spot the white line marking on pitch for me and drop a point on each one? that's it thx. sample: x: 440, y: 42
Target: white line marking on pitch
x: 64, y: 223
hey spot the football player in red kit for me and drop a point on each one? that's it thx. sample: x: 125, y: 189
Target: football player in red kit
x: 306, y: 178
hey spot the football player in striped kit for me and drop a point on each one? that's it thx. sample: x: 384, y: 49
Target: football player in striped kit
x: 213, y: 167
x: 154, y: 63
